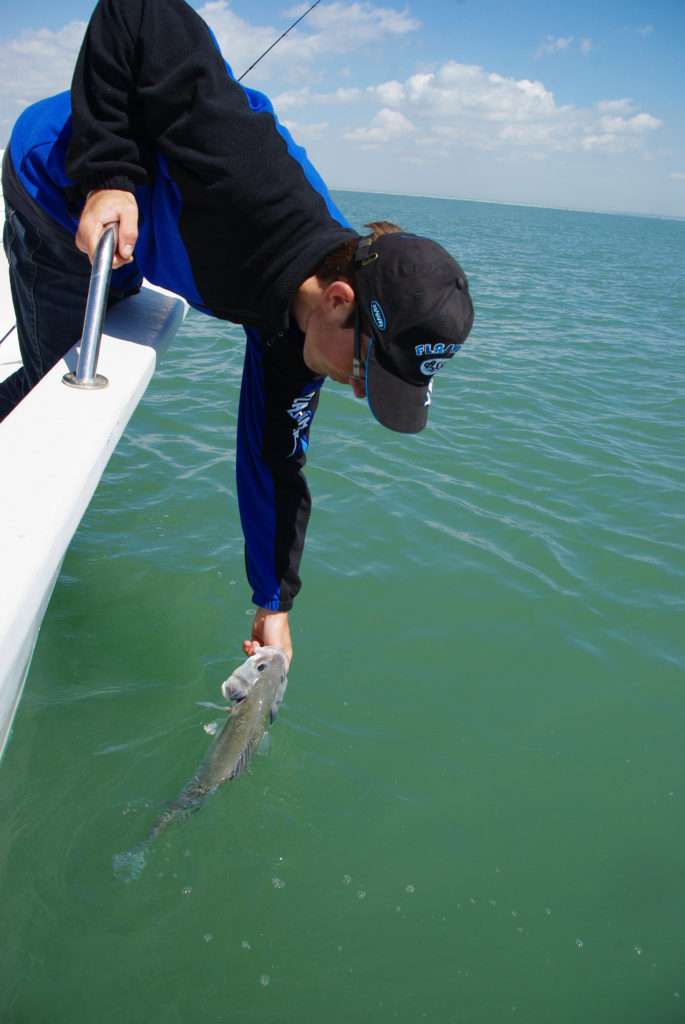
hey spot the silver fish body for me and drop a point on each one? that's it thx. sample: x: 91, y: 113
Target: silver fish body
x: 257, y: 688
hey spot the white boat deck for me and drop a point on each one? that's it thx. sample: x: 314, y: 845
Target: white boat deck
x: 53, y: 450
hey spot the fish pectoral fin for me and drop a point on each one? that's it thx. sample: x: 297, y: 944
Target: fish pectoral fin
x: 264, y: 745
x: 275, y: 708
x: 280, y: 694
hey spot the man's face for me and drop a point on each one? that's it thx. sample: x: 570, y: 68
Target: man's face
x: 329, y: 346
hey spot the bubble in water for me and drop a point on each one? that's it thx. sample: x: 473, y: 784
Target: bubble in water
x: 638, y: 950
x: 579, y: 943
x: 347, y: 879
x: 514, y: 913
x: 264, y: 980
x: 493, y: 903
x: 473, y: 900
x: 208, y: 936
x: 278, y: 883
x: 410, y: 889
x: 187, y: 891
x: 361, y: 894
x: 245, y: 944
x: 548, y: 911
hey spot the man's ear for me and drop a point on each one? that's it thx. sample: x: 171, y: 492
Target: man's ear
x: 338, y: 297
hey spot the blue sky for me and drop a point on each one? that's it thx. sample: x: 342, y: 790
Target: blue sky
x: 571, y: 105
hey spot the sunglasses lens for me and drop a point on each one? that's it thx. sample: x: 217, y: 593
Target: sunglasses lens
x: 357, y: 360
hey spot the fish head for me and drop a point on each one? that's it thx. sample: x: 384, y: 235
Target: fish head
x: 266, y: 671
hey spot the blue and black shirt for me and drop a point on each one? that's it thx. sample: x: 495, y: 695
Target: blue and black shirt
x: 232, y: 216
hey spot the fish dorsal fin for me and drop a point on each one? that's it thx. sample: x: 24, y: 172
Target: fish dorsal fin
x: 241, y: 763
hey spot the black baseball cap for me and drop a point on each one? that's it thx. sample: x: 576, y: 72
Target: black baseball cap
x: 413, y: 302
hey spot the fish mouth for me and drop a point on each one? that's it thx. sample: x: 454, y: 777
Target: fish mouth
x: 242, y: 681
x: 236, y: 687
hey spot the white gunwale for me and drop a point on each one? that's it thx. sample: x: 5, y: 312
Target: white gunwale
x: 54, y: 448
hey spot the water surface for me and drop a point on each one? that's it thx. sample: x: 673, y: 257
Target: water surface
x: 473, y: 807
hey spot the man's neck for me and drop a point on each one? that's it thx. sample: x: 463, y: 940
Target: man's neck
x: 305, y: 301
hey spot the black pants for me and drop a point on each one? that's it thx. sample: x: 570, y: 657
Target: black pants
x: 49, y: 278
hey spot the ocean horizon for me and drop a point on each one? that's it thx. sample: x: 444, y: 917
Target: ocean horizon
x: 504, y: 202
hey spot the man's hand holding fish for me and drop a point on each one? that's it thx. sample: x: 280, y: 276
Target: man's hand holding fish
x: 271, y: 629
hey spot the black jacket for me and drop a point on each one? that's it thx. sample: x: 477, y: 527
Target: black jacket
x: 232, y: 216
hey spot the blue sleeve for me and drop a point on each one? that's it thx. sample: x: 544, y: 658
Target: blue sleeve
x: 278, y: 399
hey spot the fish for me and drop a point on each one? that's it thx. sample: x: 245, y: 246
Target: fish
x: 255, y: 691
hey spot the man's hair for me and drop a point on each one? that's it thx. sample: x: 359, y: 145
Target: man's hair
x: 339, y: 264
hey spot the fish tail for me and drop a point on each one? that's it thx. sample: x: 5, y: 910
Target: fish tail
x: 129, y: 866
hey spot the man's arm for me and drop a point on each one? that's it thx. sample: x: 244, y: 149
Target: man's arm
x: 106, y: 156
x: 272, y: 628
x: 278, y: 399
x: 152, y: 96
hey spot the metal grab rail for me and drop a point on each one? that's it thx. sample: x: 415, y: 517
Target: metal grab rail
x: 96, y: 307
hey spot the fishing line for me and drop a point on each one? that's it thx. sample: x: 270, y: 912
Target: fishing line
x: 284, y: 34
x: 8, y: 333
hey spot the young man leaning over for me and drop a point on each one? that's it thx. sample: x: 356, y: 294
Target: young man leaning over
x: 216, y: 202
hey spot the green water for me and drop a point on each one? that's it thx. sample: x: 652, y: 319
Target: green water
x: 473, y: 809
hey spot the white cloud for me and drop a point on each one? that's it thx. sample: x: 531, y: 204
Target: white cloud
x: 559, y: 44
x: 334, y: 28
x: 618, y: 134
x: 41, y: 63
x: 36, y: 64
x: 307, y: 132
x: 645, y: 30
x: 385, y: 126
x: 354, y: 24
x: 294, y: 98
x: 456, y: 112
x: 389, y: 92
x: 622, y: 106
x: 485, y: 110
x: 553, y: 44
x: 342, y: 95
